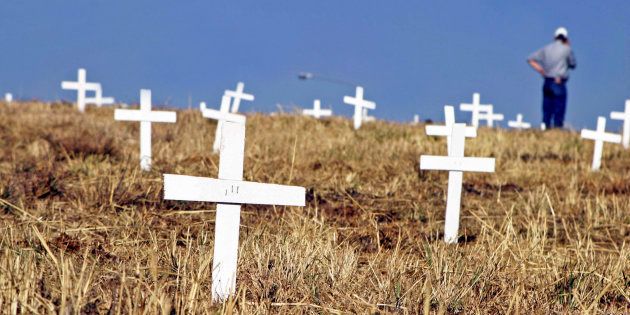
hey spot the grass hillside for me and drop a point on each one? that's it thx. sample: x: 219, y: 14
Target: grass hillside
x: 83, y: 230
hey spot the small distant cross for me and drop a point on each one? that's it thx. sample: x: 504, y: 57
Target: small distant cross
x: 359, y: 104
x: 519, y: 123
x: 489, y: 116
x: 98, y: 98
x: 625, y: 116
x: 476, y: 108
x: 221, y: 115
x: 600, y: 136
x: 446, y: 130
x: 456, y: 164
x: 317, y: 110
x: 238, y: 95
x: 8, y: 98
x: 145, y: 116
x: 81, y: 86
x: 416, y: 119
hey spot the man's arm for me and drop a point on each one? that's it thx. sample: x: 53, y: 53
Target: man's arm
x: 534, y: 61
x: 534, y: 64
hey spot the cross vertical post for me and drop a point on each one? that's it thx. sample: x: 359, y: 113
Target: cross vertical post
x: 228, y: 215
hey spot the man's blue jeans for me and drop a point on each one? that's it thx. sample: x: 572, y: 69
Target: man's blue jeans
x: 554, y: 103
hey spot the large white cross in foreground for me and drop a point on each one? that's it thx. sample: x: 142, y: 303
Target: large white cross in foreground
x: 81, y: 86
x: 238, y: 95
x: 476, y: 108
x: 98, y: 98
x: 359, y: 104
x: 456, y: 164
x: 446, y: 130
x: 145, y: 116
x: 625, y: 116
x: 600, y: 135
x: 317, y: 110
x: 221, y: 115
x: 229, y: 191
x: 519, y: 123
x: 489, y: 116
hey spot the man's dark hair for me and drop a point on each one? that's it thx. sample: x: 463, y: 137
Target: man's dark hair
x: 562, y: 38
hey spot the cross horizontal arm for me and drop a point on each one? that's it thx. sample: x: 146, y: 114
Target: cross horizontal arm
x: 218, y: 115
x: 619, y: 115
x: 362, y: 103
x: 444, y: 131
x: 243, y: 96
x: 66, y: 85
x: 594, y: 135
x: 138, y: 115
x: 471, y: 107
x: 191, y: 188
x: 462, y: 164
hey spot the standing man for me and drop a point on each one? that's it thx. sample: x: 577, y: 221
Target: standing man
x: 553, y: 63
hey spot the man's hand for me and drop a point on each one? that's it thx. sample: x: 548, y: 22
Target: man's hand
x: 558, y: 80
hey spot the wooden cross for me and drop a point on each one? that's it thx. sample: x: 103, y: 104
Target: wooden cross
x: 81, y: 86
x: 519, y: 123
x: 456, y: 164
x: 229, y: 191
x: 600, y: 136
x: 238, y: 95
x: 625, y: 116
x: 359, y: 104
x: 145, y: 116
x: 317, y: 110
x: 476, y: 108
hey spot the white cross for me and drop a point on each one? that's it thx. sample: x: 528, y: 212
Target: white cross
x: 98, y: 98
x: 446, y: 130
x: 317, y: 110
x: 238, y: 95
x: 145, y: 116
x: 519, y: 123
x: 490, y: 116
x: 600, y: 136
x: 543, y: 127
x: 229, y: 191
x: 221, y: 115
x: 625, y: 116
x: 8, y: 97
x: 456, y: 164
x: 416, y: 119
x: 81, y: 86
x: 476, y: 108
x: 359, y: 103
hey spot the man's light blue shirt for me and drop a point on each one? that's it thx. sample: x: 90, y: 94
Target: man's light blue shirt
x: 556, y: 59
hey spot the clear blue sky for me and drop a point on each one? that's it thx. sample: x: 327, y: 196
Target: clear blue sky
x: 411, y: 57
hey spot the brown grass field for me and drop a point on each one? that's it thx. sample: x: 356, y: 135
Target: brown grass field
x: 83, y: 230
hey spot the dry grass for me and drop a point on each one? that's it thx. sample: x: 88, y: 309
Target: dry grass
x: 84, y: 231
